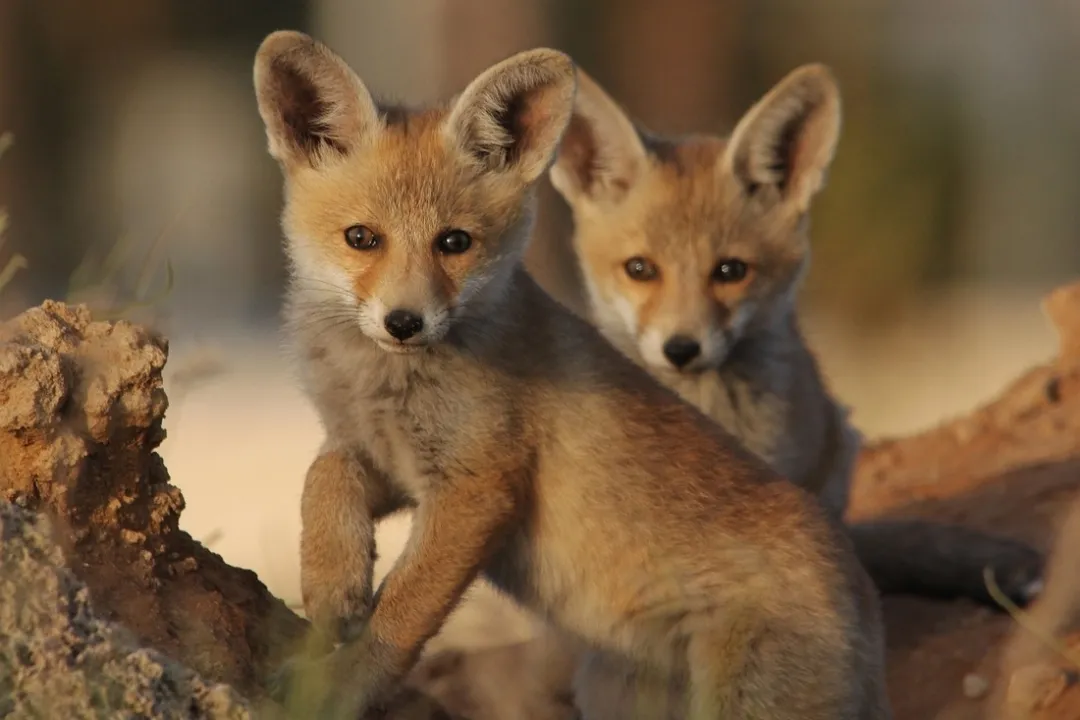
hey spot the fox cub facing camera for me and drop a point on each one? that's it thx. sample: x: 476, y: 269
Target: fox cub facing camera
x: 533, y: 452
x: 692, y: 251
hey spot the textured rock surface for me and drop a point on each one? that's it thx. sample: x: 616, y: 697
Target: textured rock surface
x: 1011, y: 466
x: 59, y: 660
x: 81, y: 406
x: 81, y: 409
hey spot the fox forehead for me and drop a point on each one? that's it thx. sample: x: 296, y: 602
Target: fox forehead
x: 410, y: 181
x: 684, y: 210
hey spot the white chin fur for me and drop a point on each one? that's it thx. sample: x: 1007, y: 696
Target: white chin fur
x: 398, y: 348
x: 651, y: 348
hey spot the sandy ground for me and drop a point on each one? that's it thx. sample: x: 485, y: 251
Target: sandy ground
x: 244, y: 492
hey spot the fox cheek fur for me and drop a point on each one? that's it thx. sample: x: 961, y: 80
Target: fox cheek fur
x: 670, y: 329
x: 683, y: 207
x: 401, y: 274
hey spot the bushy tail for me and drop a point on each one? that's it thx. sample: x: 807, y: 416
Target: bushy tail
x: 914, y: 557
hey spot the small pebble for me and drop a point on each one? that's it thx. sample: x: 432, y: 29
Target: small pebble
x: 975, y: 686
x: 131, y: 537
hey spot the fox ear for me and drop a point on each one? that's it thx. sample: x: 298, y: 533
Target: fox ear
x: 511, y: 117
x: 785, y: 143
x: 601, y: 153
x: 313, y: 105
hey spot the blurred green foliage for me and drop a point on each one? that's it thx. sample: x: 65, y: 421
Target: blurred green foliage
x: 16, y: 262
x: 885, y: 227
x: 99, y: 284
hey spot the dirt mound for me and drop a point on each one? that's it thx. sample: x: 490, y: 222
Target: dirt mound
x: 58, y: 660
x: 81, y: 409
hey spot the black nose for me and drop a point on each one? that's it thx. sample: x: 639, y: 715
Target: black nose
x: 403, y: 324
x: 681, y: 350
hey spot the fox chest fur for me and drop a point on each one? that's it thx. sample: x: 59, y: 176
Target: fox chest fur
x: 397, y: 409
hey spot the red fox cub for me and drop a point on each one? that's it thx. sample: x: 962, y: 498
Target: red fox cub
x: 692, y: 250
x: 533, y: 452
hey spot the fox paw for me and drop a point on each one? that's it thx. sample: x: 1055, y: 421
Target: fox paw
x: 352, y: 681
x: 284, y: 683
x: 280, y: 681
x: 307, y: 688
x: 340, y: 614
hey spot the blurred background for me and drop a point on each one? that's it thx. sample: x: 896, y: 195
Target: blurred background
x: 951, y: 206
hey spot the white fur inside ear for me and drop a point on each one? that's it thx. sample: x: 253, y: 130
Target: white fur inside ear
x: 787, y: 140
x: 768, y: 148
x: 601, y: 151
x: 512, y: 116
x: 312, y: 104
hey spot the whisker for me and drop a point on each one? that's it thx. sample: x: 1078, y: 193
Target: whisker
x: 323, y: 282
x: 324, y: 308
x: 331, y: 329
x: 321, y: 310
x: 319, y: 327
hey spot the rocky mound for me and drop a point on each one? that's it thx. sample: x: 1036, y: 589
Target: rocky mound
x: 58, y: 660
x: 81, y: 409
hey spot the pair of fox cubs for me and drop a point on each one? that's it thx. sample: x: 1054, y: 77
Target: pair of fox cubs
x: 662, y: 536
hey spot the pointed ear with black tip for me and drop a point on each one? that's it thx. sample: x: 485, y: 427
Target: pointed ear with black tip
x: 784, y: 144
x: 601, y: 152
x: 511, y: 117
x: 313, y: 105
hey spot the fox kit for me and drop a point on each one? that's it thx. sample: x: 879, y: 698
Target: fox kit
x: 692, y: 250
x: 533, y: 452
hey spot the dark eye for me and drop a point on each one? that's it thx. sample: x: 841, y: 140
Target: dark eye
x: 361, y: 237
x: 638, y: 268
x: 730, y: 270
x: 454, y: 242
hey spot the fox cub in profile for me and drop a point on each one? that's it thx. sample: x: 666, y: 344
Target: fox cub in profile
x: 533, y: 452
x: 692, y: 250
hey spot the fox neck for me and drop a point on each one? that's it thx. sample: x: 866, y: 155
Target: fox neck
x: 751, y: 392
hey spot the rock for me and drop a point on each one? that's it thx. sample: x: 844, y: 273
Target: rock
x: 975, y: 686
x: 1042, y: 692
x: 81, y: 410
x: 82, y: 414
x: 59, y: 659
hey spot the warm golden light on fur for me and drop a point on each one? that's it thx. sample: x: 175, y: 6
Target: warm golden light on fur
x: 533, y: 453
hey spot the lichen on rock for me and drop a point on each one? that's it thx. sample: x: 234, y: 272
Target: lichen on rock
x: 81, y: 411
x: 59, y: 660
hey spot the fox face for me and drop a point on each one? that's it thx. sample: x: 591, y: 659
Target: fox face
x: 399, y: 221
x: 689, y: 245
